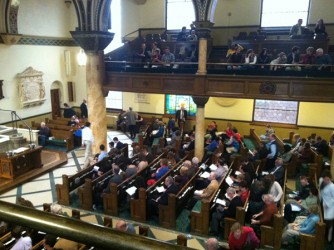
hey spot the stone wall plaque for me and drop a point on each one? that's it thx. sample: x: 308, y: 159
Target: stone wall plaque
x: 31, y: 87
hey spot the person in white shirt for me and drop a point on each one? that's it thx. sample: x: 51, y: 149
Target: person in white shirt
x: 21, y: 243
x: 87, y: 140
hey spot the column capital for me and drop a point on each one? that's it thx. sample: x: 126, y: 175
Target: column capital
x: 200, y: 101
x: 92, y: 41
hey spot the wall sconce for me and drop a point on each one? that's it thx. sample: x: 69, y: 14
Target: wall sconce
x: 82, y: 58
x: 68, y: 3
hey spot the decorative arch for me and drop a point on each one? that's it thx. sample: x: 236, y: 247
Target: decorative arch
x: 9, y: 12
x: 92, y: 14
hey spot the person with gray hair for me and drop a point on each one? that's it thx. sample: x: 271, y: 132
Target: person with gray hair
x: 322, y: 59
x: 43, y: 134
x: 212, y: 244
x: 266, y: 217
x: 226, y: 211
x: 170, y: 188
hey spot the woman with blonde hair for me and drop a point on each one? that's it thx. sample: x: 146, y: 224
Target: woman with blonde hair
x: 242, y: 236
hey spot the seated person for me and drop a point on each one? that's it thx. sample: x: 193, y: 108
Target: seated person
x: 162, y: 170
x: 225, y: 211
x: 206, y: 193
x: 121, y: 225
x: 294, y: 58
x: 117, y: 178
x: 212, y: 244
x: 43, y: 134
x: 182, y: 36
x: 305, y: 156
x: 301, y: 206
x: 112, y: 149
x: 155, y: 53
x: 275, y: 189
x: 308, y: 226
x: 160, y: 132
x: 117, y: 144
x: 308, y: 58
x: 321, y: 146
x: 278, y: 171
x: 250, y: 58
x: 184, y: 176
x: 233, y: 145
x: 103, y: 153
x: 322, y: 59
x: 145, y: 155
x: 131, y: 170
x: 167, y: 58
x: 74, y: 121
x: 275, y: 64
x: 21, y: 243
x: 170, y: 188
x: 235, y: 58
x: 263, y: 58
x: 243, y: 191
x: 266, y: 217
x: 192, y: 36
x: 260, y: 152
x: 221, y: 170
x: 287, y: 154
x: 68, y: 111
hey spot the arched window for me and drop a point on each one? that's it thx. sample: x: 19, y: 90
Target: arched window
x: 284, y: 13
x: 179, y: 13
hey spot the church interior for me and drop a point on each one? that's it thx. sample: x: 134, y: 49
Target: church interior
x: 63, y: 52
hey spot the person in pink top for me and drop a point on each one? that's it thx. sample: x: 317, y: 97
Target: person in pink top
x: 241, y: 236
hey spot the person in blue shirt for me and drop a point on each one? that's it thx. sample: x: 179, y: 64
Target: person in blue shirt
x: 103, y: 153
x: 162, y: 170
x: 293, y: 230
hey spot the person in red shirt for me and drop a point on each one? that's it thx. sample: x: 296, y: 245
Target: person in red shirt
x: 239, y: 235
x: 244, y: 191
x: 266, y: 217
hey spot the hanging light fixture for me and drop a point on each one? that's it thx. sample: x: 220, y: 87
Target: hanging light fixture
x: 82, y: 58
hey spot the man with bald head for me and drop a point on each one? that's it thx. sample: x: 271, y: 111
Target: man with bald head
x: 121, y: 225
x: 212, y: 244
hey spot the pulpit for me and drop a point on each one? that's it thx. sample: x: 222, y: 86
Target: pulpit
x: 20, y: 162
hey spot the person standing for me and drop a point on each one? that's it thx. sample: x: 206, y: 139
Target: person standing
x: 87, y: 140
x: 181, y: 117
x: 326, y: 195
x: 297, y: 29
x: 84, y: 109
x: 273, y: 152
x: 131, y: 119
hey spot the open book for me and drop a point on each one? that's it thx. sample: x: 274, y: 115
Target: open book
x: 213, y: 167
x: 221, y: 202
x: 198, y: 192
x: 229, y: 181
x: 131, y: 190
x: 161, y: 189
x: 205, y: 175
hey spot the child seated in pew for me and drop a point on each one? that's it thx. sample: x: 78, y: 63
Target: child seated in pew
x: 304, y: 225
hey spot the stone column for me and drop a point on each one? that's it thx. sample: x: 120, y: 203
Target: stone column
x: 95, y: 99
x: 202, y: 56
x: 94, y: 42
x: 199, y: 130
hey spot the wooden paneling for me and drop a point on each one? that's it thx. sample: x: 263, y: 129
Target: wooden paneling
x: 266, y: 87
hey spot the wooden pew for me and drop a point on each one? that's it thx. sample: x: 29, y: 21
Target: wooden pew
x: 168, y: 213
x: 86, y: 191
x: 71, y: 183
x: 316, y: 166
x: 111, y: 200
x: 239, y: 217
x: 62, y: 137
x: 272, y: 235
x: 138, y: 206
x: 316, y: 241
x: 200, y: 220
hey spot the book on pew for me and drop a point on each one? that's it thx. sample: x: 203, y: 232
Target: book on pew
x: 161, y: 189
x: 131, y: 190
x: 229, y: 180
x: 203, y: 166
x: 205, y: 175
x: 221, y: 202
x: 96, y: 168
x: 213, y: 167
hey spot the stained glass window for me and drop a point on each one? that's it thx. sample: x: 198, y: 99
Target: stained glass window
x: 175, y: 102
